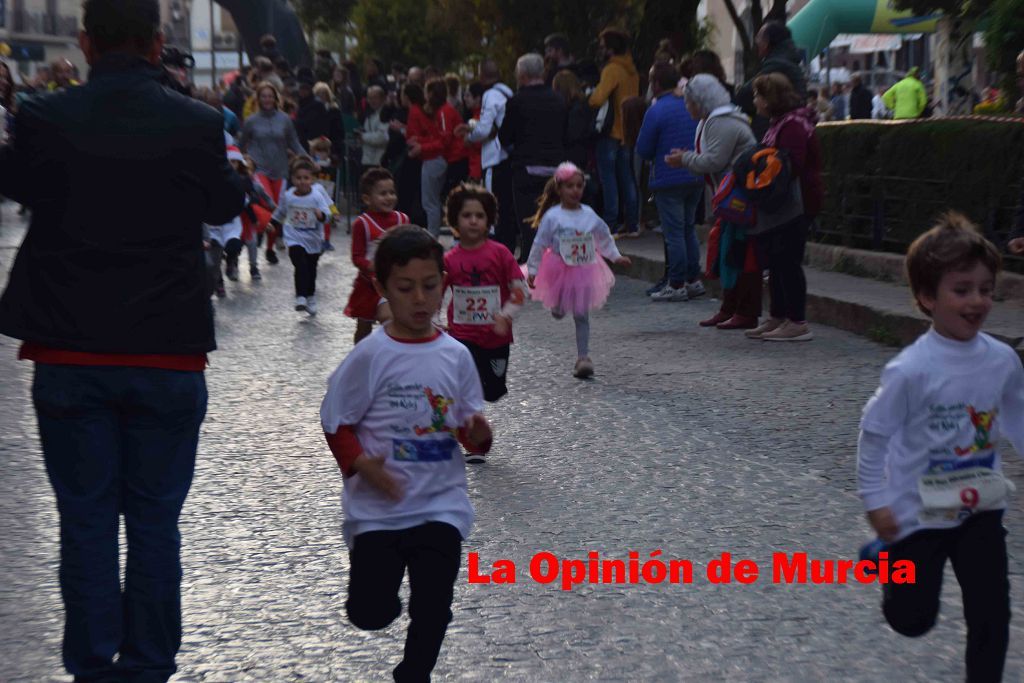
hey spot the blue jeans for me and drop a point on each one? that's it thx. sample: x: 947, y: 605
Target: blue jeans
x: 613, y: 168
x: 677, y: 208
x: 119, y: 440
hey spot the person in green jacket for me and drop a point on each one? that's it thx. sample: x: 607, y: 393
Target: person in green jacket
x: 906, y: 99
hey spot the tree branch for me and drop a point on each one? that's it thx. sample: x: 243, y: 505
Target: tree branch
x: 778, y: 11
x: 756, y: 16
x: 740, y: 28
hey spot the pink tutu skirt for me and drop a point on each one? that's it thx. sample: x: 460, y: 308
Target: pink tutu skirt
x: 572, y: 289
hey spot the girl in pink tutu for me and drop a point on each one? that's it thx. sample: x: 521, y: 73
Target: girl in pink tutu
x: 566, y: 265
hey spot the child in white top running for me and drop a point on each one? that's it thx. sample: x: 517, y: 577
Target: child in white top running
x: 302, y: 213
x: 393, y: 413
x: 566, y: 264
x: 928, y: 470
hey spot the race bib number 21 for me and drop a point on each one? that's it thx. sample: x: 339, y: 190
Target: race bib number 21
x: 577, y: 250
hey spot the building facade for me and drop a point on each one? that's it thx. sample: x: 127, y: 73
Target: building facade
x: 40, y: 32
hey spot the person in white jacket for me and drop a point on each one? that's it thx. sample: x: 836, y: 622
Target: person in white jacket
x: 494, y: 159
x: 375, y: 132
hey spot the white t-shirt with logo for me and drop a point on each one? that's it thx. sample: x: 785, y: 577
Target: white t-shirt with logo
x: 944, y: 405
x: 579, y: 237
x: 406, y: 401
x: 298, y: 216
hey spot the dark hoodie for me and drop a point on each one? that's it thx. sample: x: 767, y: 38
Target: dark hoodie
x: 312, y: 120
x: 784, y: 58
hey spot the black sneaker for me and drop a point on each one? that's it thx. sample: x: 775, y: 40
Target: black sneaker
x: 271, y: 257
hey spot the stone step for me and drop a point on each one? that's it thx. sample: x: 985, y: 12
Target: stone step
x: 879, y: 310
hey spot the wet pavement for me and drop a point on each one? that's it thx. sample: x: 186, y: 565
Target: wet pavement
x: 688, y: 440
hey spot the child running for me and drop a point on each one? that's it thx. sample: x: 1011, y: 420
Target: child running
x: 259, y: 207
x: 320, y: 152
x: 929, y: 473
x: 377, y: 188
x: 302, y: 212
x: 225, y: 241
x: 488, y: 290
x: 566, y: 266
x: 393, y: 411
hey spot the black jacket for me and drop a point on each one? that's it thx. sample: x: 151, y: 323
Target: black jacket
x: 313, y: 120
x: 120, y: 174
x: 533, y: 130
x: 785, y: 59
x: 860, y: 103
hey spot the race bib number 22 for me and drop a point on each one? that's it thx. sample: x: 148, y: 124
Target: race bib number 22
x: 476, y: 305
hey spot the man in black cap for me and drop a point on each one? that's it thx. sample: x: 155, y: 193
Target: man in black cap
x: 108, y: 294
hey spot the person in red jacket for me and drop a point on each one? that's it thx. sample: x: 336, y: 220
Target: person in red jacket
x: 430, y: 133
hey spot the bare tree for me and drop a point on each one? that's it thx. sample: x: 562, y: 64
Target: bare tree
x: 776, y: 10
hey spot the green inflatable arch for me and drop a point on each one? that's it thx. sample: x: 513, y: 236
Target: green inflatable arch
x: 820, y: 21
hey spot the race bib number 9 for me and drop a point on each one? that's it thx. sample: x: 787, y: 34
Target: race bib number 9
x: 302, y: 219
x: 947, y: 496
x: 577, y: 250
x: 476, y: 305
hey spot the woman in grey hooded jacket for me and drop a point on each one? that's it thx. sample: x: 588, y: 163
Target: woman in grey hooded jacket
x: 723, y: 134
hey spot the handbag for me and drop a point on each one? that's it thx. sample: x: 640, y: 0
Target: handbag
x: 732, y: 203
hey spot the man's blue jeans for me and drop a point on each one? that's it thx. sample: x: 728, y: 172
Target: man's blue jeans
x: 677, y: 208
x: 616, y: 176
x: 119, y: 440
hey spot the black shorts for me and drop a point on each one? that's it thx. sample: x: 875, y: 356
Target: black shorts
x: 492, y: 366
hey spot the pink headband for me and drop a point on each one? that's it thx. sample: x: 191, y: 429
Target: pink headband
x: 566, y: 170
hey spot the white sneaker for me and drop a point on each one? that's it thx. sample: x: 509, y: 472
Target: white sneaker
x: 695, y: 289
x: 300, y: 303
x: 670, y: 293
x: 311, y: 305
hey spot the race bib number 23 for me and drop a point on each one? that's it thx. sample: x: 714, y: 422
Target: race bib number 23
x: 302, y: 219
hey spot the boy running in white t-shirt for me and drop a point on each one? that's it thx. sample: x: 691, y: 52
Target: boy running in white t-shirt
x: 394, y: 412
x: 303, y: 213
x: 929, y: 474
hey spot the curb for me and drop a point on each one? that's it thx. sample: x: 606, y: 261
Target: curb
x: 867, y: 321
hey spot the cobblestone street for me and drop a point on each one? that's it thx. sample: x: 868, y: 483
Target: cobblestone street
x: 688, y: 440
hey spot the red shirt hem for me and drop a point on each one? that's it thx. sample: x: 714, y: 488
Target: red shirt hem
x: 41, y: 354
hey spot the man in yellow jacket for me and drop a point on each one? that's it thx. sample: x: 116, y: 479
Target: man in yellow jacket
x: 619, y: 81
x: 907, y: 99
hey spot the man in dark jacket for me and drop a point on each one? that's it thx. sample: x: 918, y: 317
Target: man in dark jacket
x: 533, y: 133
x: 108, y: 294
x: 313, y: 119
x: 860, y: 99
x: 778, y: 54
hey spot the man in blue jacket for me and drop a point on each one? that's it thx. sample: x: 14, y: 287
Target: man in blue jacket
x: 668, y: 125
x: 107, y: 293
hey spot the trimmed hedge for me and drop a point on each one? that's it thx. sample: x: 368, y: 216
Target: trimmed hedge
x: 885, y: 182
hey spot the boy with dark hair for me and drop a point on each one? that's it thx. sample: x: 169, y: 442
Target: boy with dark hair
x: 394, y: 412
x: 928, y: 470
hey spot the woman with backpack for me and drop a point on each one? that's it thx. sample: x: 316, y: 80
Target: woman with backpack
x: 782, y: 233
x: 723, y: 134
